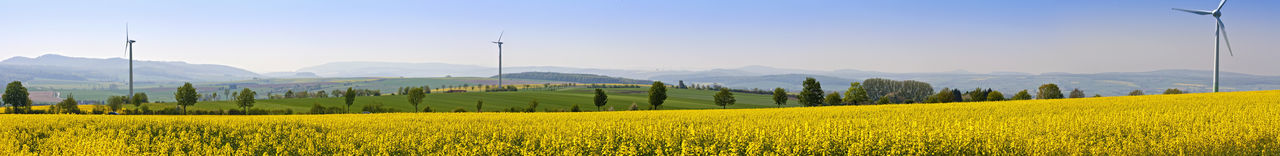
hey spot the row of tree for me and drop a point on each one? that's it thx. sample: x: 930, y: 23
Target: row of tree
x: 885, y: 91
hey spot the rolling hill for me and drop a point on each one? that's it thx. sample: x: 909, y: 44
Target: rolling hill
x: 58, y: 67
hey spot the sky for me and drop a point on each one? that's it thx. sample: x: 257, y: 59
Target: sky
x: 878, y: 35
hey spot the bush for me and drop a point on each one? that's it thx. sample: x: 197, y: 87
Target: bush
x: 377, y: 108
x: 317, y: 109
x: 1136, y: 92
x: 515, y: 110
x: 575, y: 109
x: 255, y: 111
x: 427, y: 109
x: 459, y: 110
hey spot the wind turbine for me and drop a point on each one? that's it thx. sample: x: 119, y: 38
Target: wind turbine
x: 1220, y: 35
x: 499, y: 42
x: 128, y: 45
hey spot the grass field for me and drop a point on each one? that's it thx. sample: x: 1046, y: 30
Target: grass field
x: 99, y: 91
x: 619, y: 99
x: 1235, y: 123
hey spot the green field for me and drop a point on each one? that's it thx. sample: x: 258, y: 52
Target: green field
x: 619, y: 99
x: 99, y: 91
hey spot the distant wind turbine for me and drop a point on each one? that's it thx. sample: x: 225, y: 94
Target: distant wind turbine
x: 128, y: 45
x: 1220, y: 35
x: 499, y: 42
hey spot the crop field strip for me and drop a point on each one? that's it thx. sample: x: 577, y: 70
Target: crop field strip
x: 1234, y: 123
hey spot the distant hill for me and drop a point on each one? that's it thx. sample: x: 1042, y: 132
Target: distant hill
x: 70, y: 70
x: 388, y: 69
x: 764, y: 77
x: 290, y: 75
x: 57, y: 67
x: 579, y: 78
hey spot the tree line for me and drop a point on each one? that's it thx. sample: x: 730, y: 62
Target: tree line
x: 885, y: 91
x: 867, y: 92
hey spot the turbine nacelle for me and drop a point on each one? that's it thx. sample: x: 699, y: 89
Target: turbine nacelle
x: 496, y: 42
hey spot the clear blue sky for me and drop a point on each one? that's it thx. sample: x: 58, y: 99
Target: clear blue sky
x: 891, y: 35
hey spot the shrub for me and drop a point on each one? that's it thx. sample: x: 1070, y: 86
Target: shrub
x: 377, y: 108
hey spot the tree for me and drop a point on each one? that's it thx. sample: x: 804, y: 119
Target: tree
x: 16, y: 96
x: 975, y: 95
x: 1135, y: 92
x: 995, y: 96
x: 657, y: 94
x: 289, y: 94
x: 905, y: 90
x: 480, y: 104
x: 779, y: 96
x: 245, y: 99
x: 1097, y: 95
x: 943, y: 96
x: 956, y: 96
x: 415, y: 96
x: 601, y: 99
x: 1049, y: 91
x: 533, y: 106
x: 724, y: 98
x: 811, y: 94
x: 114, y: 103
x: 349, y: 97
x: 67, y: 106
x: 1022, y: 95
x: 681, y: 85
x: 1172, y: 91
x: 832, y: 99
x: 1076, y: 93
x: 856, y: 94
x: 186, y: 96
x: 884, y: 100
x: 139, y: 99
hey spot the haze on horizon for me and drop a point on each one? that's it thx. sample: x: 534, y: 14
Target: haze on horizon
x: 887, y: 36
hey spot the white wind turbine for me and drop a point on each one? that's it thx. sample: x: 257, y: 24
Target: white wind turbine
x: 499, y: 42
x: 128, y: 45
x: 1220, y: 35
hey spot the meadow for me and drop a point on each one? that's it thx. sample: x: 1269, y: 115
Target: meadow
x: 1233, y: 123
x: 562, y: 98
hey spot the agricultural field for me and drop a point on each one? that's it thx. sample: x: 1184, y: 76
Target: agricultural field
x: 562, y: 98
x: 1233, y: 123
x: 99, y: 91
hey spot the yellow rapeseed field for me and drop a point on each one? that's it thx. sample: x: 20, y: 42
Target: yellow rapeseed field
x: 1237, y: 123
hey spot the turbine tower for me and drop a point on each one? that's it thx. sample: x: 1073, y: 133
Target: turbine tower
x: 128, y: 45
x: 1220, y: 35
x: 499, y: 42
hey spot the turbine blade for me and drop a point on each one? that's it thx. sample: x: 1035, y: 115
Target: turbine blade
x: 1223, y: 29
x: 1198, y: 12
x: 500, y: 35
x: 1224, y: 2
x: 126, y: 39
